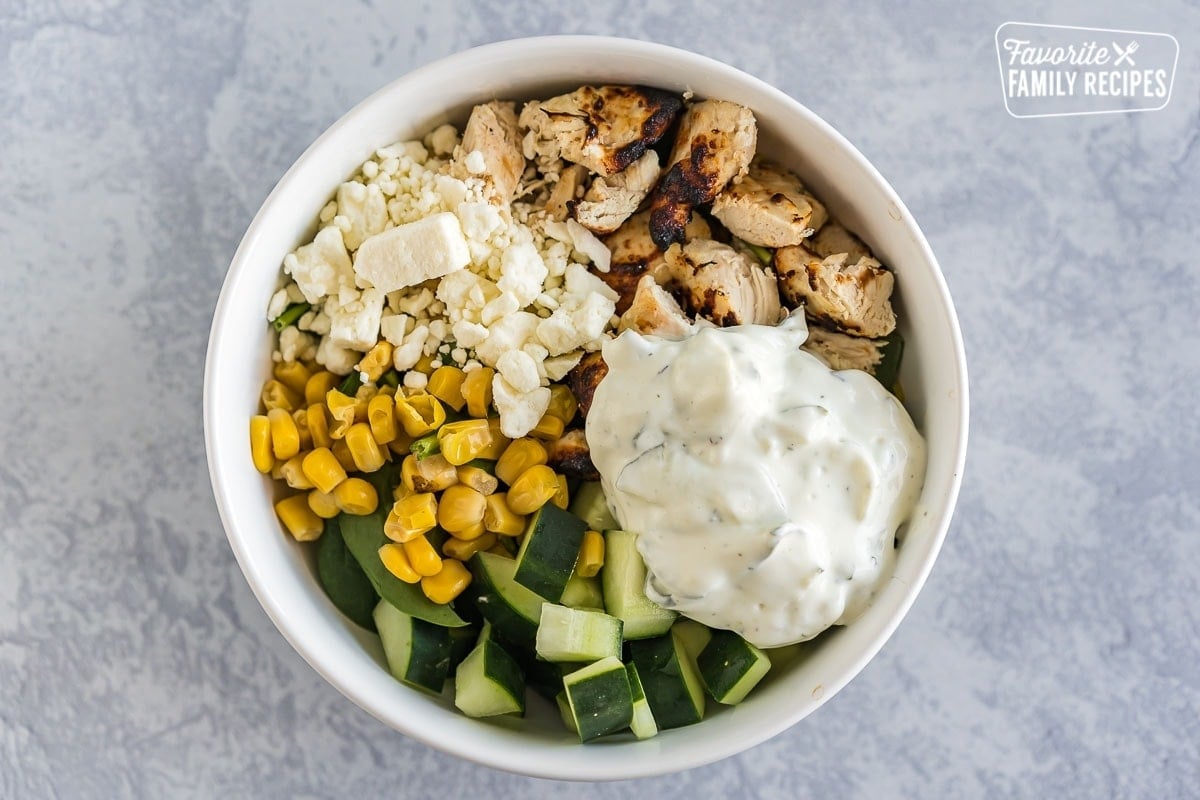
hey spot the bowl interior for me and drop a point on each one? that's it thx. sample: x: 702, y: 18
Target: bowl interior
x: 281, y: 572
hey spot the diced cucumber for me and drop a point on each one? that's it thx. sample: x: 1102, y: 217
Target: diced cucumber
x: 693, y: 635
x: 583, y: 592
x: 623, y: 578
x: 549, y: 551
x: 462, y: 642
x: 544, y: 677
x: 642, y: 724
x: 564, y: 708
x: 672, y: 687
x: 577, y: 634
x: 600, y: 698
x: 589, y: 505
x: 489, y: 682
x: 512, y: 609
x: 730, y: 667
x: 418, y: 652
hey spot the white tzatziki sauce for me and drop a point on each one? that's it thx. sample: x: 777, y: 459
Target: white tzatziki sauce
x: 766, y: 488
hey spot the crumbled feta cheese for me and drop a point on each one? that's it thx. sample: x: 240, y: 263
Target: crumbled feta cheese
x: 588, y: 245
x: 294, y: 295
x: 581, y: 283
x: 479, y: 220
x: 443, y: 140
x: 406, y: 355
x: 459, y: 355
x: 557, y: 367
x: 519, y: 370
x: 500, y: 308
x: 475, y: 163
x: 467, y: 333
x: 363, y: 210
x: 508, y: 333
x: 415, y: 380
x: 412, y: 253
x: 335, y: 358
x: 392, y: 327
x: 520, y: 412
x: 321, y: 267
x: 320, y: 324
x: 296, y: 344
x: 355, y: 324
x: 414, y: 304
x: 523, y: 273
x: 278, y: 304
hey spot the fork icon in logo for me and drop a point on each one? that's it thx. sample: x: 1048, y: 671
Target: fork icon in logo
x: 1126, y: 54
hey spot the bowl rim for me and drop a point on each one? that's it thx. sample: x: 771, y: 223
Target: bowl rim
x: 296, y: 635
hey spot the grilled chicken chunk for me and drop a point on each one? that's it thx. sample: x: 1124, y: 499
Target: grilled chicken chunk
x: 635, y: 254
x: 841, y: 351
x: 604, y: 128
x: 833, y: 239
x: 583, y: 379
x: 769, y: 207
x: 715, y: 143
x: 655, y: 311
x: 492, y: 130
x: 852, y: 296
x: 717, y: 282
x: 610, y: 201
x: 566, y: 192
x: 570, y: 455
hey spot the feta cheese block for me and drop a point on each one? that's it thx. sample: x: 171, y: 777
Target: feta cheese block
x: 413, y: 253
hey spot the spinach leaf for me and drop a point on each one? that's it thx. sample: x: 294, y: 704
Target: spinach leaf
x: 364, y: 536
x: 887, y: 371
x: 343, y: 579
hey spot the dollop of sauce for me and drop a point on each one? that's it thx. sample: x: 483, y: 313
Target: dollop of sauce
x: 766, y: 488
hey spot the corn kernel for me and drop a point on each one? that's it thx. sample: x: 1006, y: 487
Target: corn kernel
x: 478, y: 479
x: 299, y: 519
x: 424, y: 365
x: 377, y: 361
x: 363, y: 449
x: 260, y: 443
x: 430, y: 474
x: 420, y: 414
x: 381, y: 416
x: 285, y: 437
x: 473, y: 532
x: 356, y: 496
x: 533, y: 489
x: 396, y: 562
x: 300, y: 416
x: 591, y: 555
x: 499, y: 549
x: 323, y: 504
x: 562, y: 498
x: 402, y: 444
x: 519, y: 457
x: 446, y: 385
x: 292, y: 471
x: 499, y: 518
x: 463, y: 549
x: 317, y: 387
x: 416, y: 513
x: 341, y: 408
x: 342, y: 453
x: 401, y: 491
x: 464, y: 440
x: 422, y: 555
x: 460, y: 508
x: 276, y: 395
x: 500, y: 442
x: 322, y: 469
x: 293, y: 375
x: 562, y: 403
x: 318, y: 425
x: 448, y: 583
x: 548, y: 428
x: 477, y: 391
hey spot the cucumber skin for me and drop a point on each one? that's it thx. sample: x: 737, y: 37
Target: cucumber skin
x: 725, y: 662
x: 663, y: 680
x: 600, y: 704
x: 428, y: 664
x: 548, y: 553
x: 509, y: 623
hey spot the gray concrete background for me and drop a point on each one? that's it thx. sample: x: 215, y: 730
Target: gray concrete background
x: 1054, y: 651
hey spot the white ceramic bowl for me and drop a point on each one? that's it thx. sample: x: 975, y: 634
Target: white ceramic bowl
x: 281, y: 573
